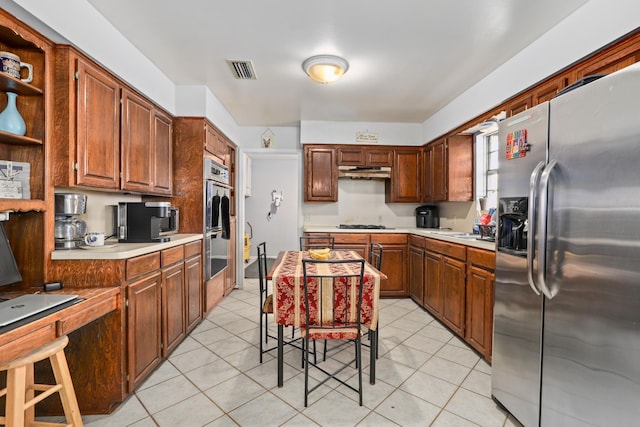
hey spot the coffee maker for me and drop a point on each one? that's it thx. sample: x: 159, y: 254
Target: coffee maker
x: 140, y: 222
x: 427, y: 217
x: 69, y: 230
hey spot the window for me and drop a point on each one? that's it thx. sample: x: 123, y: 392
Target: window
x: 486, y: 179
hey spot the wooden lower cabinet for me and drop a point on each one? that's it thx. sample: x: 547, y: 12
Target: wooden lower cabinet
x: 173, y: 307
x: 193, y: 282
x: 394, y: 265
x: 230, y: 283
x: 479, y: 296
x: 453, y: 293
x: 433, y: 282
x: 416, y: 269
x: 143, y: 328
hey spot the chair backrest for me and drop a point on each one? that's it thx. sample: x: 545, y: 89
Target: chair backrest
x: 375, y: 255
x: 333, y: 291
x: 262, y: 267
x: 316, y: 242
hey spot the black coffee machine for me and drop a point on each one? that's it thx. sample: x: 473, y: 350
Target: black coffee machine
x: 427, y: 217
x: 141, y: 222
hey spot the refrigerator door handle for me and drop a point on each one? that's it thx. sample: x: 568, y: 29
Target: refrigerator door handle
x: 534, y: 180
x: 542, y: 229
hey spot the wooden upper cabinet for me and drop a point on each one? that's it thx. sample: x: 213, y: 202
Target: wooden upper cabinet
x: 214, y: 142
x: 610, y: 60
x: 406, y: 176
x: 320, y: 174
x: 519, y: 104
x: 448, y: 169
x: 162, y: 182
x: 137, y: 121
x: 547, y: 90
x: 87, y: 150
x: 358, y: 155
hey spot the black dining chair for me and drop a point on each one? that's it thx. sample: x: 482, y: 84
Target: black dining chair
x: 266, y: 305
x: 330, y: 318
x: 316, y: 242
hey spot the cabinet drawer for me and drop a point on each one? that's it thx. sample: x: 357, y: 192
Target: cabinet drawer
x: 482, y: 258
x: 142, y: 264
x: 193, y: 248
x: 28, y: 342
x: 400, y: 239
x: 84, y: 316
x: 450, y: 249
x: 351, y: 238
x: 417, y: 241
x: 172, y: 255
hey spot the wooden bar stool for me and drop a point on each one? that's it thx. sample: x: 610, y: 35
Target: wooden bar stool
x: 20, y: 391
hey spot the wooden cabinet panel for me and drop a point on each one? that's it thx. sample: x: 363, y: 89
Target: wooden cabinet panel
x: 479, y: 310
x: 382, y: 157
x: 448, y: 169
x: 143, y: 328
x: 136, y: 161
x: 350, y: 156
x: 432, y: 282
x: 231, y: 267
x: 416, y: 274
x: 406, y: 177
x: 162, y: 179
x: 612, y: 59
x: 453, y: 290
x: 98, y: 127
x: 214, y: 142
x: 518, y: 104
x: 435, y: 171
x: 173, y: 307
x: 142, y: 264
x: 394, y: 266
x: 193, y: 278
x: 548, y: 90
x: 320, y: 174
x: 358, y: 242
x: 171, y: 255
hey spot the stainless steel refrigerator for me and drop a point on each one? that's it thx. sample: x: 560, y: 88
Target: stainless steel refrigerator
x: 566, y: 346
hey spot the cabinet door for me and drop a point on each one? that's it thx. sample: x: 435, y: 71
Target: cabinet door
x: 378, y: 157
x: 350, y: 156
x: 416, y: 274
x: 162, y: 154
x: 459, y: 168
x: 358, y: 242
x: 231, y: 269
x: 173, y: 307
x: 406, y: 177
x: 395, y: 267
x: 98, y: 128
x: 519, y: 104
x: 548, y: 90
x: 479, y: 310
x: 433, y: 282
x: 320, y: 174
x: 453, y: 290
x: 193, y: 278
x: 143, y: 328
x: 439, y: 171
x: 137, y: 153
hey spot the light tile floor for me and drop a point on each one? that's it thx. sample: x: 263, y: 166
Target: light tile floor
x: 426, y: 376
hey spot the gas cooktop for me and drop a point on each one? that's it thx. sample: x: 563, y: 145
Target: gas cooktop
x: 362, y: 226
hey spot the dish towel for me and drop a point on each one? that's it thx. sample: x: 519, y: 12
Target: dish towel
x: 224, y: 214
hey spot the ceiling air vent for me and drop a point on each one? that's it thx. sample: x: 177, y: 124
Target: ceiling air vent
x: 242, y: 70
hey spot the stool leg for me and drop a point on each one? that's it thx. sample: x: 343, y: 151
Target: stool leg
x: 30, y: 412
x: 67, y: 394
x: 16, y: 383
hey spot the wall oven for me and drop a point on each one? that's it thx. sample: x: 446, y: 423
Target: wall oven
x: 216, y: 190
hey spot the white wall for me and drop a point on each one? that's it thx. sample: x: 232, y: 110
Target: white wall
x: 591, y: 27
x: 274, y: 172
x: 320, y: 132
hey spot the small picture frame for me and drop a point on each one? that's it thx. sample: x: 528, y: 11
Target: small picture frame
x: 267, y: 139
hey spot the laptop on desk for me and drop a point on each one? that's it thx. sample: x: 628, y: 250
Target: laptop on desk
x: 21, y: 307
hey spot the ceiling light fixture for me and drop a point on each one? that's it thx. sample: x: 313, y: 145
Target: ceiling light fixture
x: 325, y: 68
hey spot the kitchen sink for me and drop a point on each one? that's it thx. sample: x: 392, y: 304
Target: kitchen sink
x: 457, y: 234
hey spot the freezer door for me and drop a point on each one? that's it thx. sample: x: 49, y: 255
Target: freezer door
x: 515, y: 379
x: 591, y: 353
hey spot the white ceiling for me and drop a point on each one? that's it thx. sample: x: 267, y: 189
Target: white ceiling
x: 407, y: 58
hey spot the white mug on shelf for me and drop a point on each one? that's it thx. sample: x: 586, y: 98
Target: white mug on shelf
x: 94, y: 238
x: 10, y: 64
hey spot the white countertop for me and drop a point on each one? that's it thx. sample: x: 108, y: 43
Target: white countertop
x: 432, y: 233
x: 115, y: 250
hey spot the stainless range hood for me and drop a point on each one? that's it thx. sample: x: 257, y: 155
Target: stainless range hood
x: 362, y: 172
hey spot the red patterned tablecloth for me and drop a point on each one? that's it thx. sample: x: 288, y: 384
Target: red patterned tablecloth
x: 288, y: 290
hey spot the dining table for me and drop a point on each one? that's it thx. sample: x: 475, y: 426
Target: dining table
x: 287, y: 278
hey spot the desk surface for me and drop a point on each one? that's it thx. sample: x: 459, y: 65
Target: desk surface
x: 31, y: 335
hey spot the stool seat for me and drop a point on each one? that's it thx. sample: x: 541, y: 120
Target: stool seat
x: 20, y: 391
